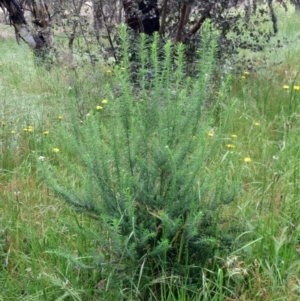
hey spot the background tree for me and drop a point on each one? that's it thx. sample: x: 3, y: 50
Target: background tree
x: 42, y: 37
x: 93, y: 24
x: 182, y: 20
x: 296, y: 3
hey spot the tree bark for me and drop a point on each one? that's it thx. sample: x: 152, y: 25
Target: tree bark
x: 98, y: 22
x: 180, y: 26
x: 44, y: 38
x: 132, y: 18
x: 296, y: 4
x: 18, y: 21
x: 248, y: 10
x: 42, y: 21
x: 197, y: 26
x: 142, y: 16
x: 163, y: 18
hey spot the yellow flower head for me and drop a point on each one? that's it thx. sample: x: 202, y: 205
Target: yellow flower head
x: 60, y: 118
x: 286, y: 87
x: 46, y: 133
x: 55, y: 150
x: 297, y: 88
x: 234, y: 136
x: 246, y: 73
x: 108, y: 71
x: 193, y: 137
x: 210, y: 134
x: 230, y: 146
x: 12, y: 132
x: 256, y: 123
x: 30, y: 128
x: 247, y: 159
x: 99, y: 108
x: 104, y: 101
x: 243, y: 77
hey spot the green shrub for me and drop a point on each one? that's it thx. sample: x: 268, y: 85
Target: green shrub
x: 140, y: 165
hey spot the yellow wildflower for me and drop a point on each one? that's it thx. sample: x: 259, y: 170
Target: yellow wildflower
x: 55, y: 150
x: 210, y: 134
x: 297, y: 88
x: 99, y: 108
x: 60, y: 118
x: 247, y: 160
x: 246, y: 73
x: 108, y: 71
x: 286, y: 87
x: 193, y: 137
x: 234, y: 136
x: 12, y: 132
x: 46, y: 133
x: 243, y: 77
x: 104, y: 101
x: 256, y: 123
x: 230, y: 146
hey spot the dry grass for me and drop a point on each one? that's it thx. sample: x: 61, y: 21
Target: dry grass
x: 6, y: 32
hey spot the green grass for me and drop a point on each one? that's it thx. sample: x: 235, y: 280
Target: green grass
x: 48, y: 251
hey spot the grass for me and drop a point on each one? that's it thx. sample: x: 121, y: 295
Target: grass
x: 43, y: 254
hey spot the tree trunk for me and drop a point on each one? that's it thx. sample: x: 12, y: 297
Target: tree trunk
x: 206, y: 14
x: 132, y: 18
x: 297, y: 5
x: 163, y: 18
x: 248, y: 10
x: 142, y: 16
x: 42, y: 22
x: 98, y: 22
x: 180, y: 26
x: 44, y: 38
